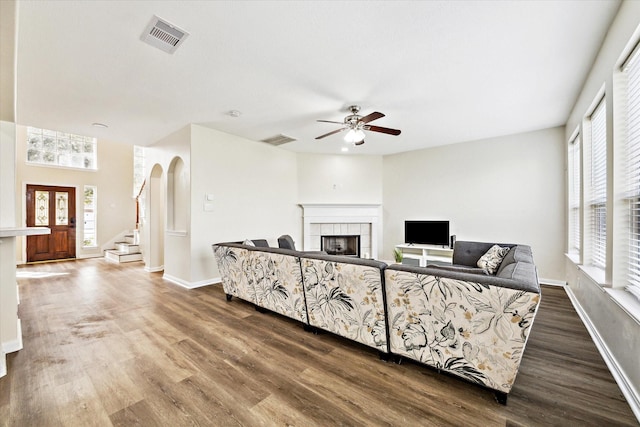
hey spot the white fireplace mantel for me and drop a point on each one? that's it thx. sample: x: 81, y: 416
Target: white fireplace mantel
x: 342, y: 213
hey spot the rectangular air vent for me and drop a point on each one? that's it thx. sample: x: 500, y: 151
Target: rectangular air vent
x: 163, y: 35
x: 278, y: 140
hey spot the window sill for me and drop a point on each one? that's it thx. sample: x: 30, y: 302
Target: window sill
x: 575, y: 258
x: 595, y: 273
x: 624, y: 299
x: 56, y: 166
x: 629, y: 303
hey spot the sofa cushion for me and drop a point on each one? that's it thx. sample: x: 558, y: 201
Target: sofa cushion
x: 260, y: 243
x: 518, y: 253
x: 522, y: 272
x: 491, y: 260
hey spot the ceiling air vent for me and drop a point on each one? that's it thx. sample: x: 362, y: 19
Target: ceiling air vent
x: 163, y: 35
x: 278, y: 140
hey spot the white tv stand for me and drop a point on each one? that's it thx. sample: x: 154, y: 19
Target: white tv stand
x: 425, y: 254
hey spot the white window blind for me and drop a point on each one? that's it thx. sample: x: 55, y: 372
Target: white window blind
x: 598, y: 193
x: 632, y: 70
x: 575, y: 177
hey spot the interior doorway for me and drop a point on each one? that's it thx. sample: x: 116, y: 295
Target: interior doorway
x: 53, y: 207
x: 156, y: 219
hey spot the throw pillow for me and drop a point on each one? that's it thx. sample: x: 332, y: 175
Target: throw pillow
x: 248, y: 242
x: 492, y: 259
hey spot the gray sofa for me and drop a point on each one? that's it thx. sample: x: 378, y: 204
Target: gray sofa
x: 456, y: 318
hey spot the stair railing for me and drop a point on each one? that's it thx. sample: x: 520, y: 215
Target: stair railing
x: 138, y: 204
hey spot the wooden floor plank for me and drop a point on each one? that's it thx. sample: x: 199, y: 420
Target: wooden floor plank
x: 108, y: 344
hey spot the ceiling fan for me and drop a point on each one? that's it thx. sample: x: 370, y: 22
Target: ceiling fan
x: 356, y: 125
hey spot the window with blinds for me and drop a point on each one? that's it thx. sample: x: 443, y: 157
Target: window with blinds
x: 575, y: 178
x: 632, y: 195
x: 598, y: 194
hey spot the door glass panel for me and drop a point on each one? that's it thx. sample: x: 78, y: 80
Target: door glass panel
x: 62, y: 208
x: 42, y: 209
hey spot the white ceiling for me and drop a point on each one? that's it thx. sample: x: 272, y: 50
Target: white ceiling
x: 442, y: 71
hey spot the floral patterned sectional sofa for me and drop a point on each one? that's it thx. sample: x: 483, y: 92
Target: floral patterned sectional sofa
x: 457, y: 318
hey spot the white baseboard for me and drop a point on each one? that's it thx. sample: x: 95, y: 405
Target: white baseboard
x: 153, y: 269
x: 633, y: 398
x: 14, y: 345
x: 191, y: 285
x: 552, y: 282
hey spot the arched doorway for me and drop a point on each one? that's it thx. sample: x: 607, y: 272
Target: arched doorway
x: 156, y: 206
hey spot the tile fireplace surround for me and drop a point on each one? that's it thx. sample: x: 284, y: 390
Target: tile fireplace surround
x: 342, y: 220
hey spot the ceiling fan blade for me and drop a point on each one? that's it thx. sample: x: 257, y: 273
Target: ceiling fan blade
x: 383, y: 130
x: 359, y: 143
x: 330, y: 133
x: 329, y: 121
x: 371, y: 117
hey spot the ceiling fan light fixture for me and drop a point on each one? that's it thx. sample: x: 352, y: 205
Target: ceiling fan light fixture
x: 354, y: 135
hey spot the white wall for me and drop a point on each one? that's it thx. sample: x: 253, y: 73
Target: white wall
x: 8, y: 39
x: 114, y: 179
x: 336, y: 179
x: 177, y: 261
x: 616, y: 329
x: 509, y: 189
x: 8, y: 287
x: 7, y: 174
x: 254, y: 188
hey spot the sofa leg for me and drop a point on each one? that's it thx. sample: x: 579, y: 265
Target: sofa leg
x: 501, y: 397
x: 384, y: 356
x: 309, y: 328
x: 398, y: 360
x: 229, y: 296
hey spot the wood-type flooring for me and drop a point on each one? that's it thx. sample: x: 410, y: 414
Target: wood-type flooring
x: 108, y: 344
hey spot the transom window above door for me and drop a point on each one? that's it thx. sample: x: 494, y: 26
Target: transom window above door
x: 53, y: 148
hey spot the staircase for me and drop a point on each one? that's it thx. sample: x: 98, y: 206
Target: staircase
x: 126, y: 251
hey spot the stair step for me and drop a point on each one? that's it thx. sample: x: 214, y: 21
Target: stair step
x: 127, y: 247
x: 120, y: 256
x: 129, y: 238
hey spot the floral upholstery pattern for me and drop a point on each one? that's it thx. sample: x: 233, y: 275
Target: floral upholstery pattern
x: 473, y: 330
x: 469, y: 324
x: 278, y: 284
x: 235, y: 269
x: 346, y: 299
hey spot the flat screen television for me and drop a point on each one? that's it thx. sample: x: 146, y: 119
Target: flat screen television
x: 427, y: 232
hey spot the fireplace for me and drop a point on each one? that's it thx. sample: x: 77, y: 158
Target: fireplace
x: 341, y: 245
x: 343, y: 220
